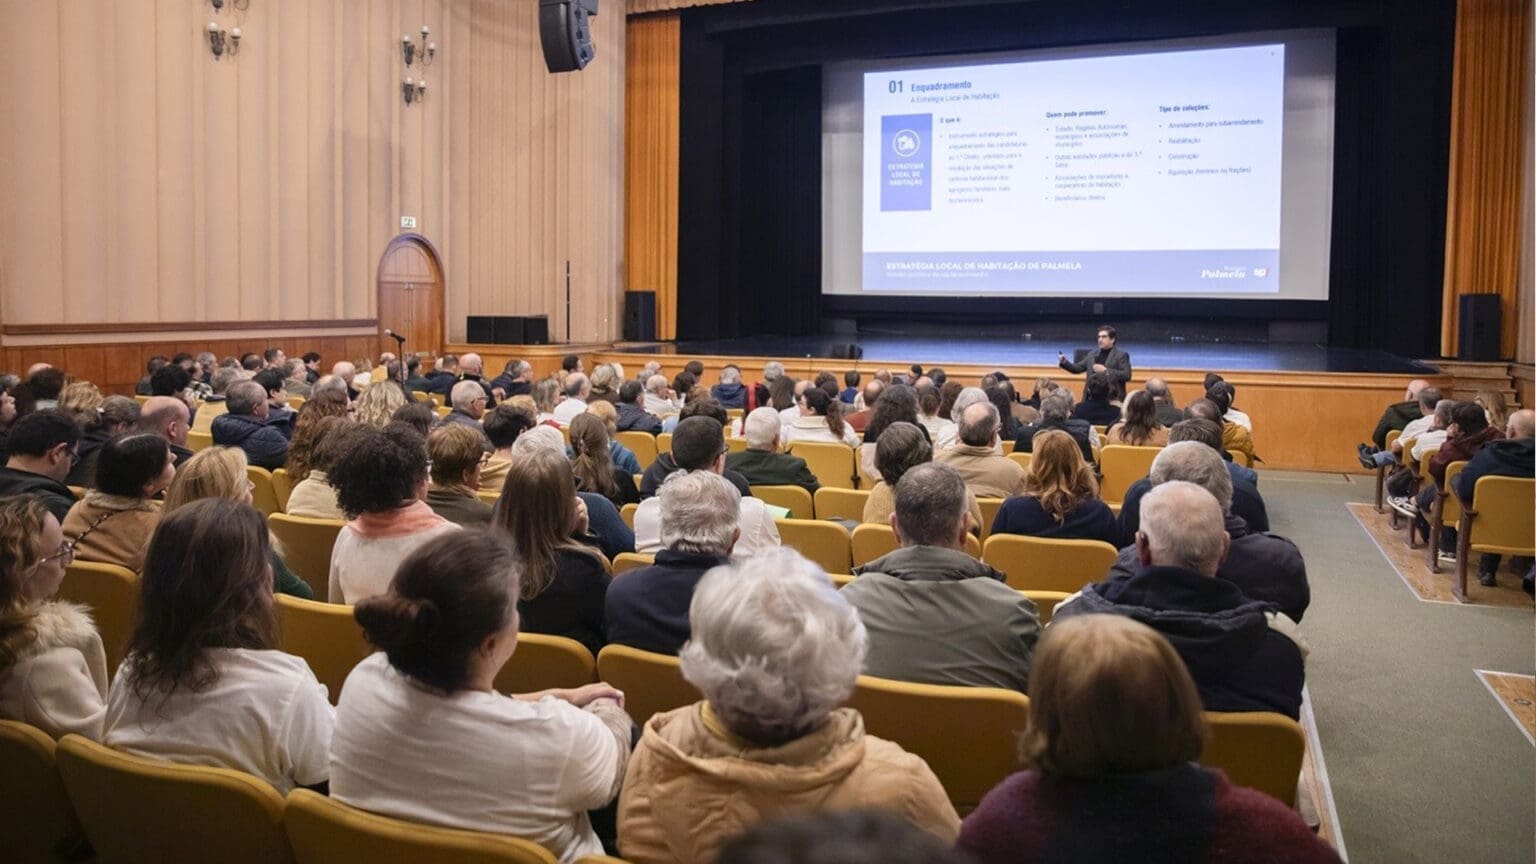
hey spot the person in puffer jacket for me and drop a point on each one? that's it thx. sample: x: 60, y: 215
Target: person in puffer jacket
x: 245, y: 426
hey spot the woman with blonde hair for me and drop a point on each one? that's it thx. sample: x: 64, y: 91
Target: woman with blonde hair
x: 1492, y: 402
x: 53, y: 671
x: 546, y: 394
x: 1139, y: 426
x: 81, y: 401
x: 565, y: 580
x: 1115, y: 727
x: 377, y: 404
x: 592, y: 462
x: 220, y: 472
x: 1061, y: 497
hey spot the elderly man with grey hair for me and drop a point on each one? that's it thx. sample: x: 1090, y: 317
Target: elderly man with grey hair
x: 1246, y: 502
x: 1243, y: 655
x: 762, y: 463
x: 1168, y: 411
x: 245, y: 425
x: 658, y: 396
x: 935, y: 615
x: 1056, y: 413
x: 347, y: 372
x: 516, y: 379
x: 648, y: 608
x: 730, y: 392
x: 949, y: 431
x: 1264, y: 566
x: 578, y: 389
x: 775, y: 651
x: 976, y: 455
x: 469, y: 404
x: 296, y: 380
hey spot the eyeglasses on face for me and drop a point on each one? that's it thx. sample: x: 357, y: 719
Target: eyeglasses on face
x: 64, y: 554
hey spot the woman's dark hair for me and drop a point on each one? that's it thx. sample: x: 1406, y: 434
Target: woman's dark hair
x: 314, y: 446
x: 207, y: 584
x: 536, y: 509
x: 829, y: 407
x: 1221, y: 394
x: 1211, y: 379
x: 591, y: 462
x: 417, y: 415
x: 127, y: 463
x: 1140, y: 418
x: 897, y: 404
x: 705, y: 407
x: 26, y: 401
x: 1469, y: 417
x: 902, y: 447
x: 47, y: 383
x: 1098, y: 386
x: 379, y: 469
x: 447, y: 597
x: 325, y: 403
x: 927, y: 398
x: 683, y: 384
x: 1001, y: 398
x: 505, y: 422
x: 948, y: 393
x: 116, y: 413
x: 781, y: 392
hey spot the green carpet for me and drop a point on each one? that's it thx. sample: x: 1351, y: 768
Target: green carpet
x: 1424, y: 764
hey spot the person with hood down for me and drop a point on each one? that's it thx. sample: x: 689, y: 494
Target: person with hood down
x: 1243, y: 655
x: 730, y: 392
x: 245, y: 426
x: 1511, y: 457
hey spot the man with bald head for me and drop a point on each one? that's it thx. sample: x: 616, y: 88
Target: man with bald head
x: 169, y: 418
x: 975, y: 454
x: 347, y: 373
x: 1242, y: 654
x: 472, y: 368
x: 1399, y: 414
x: 1168, y: 411
x: 578, y: 389
x: 1510, y: 457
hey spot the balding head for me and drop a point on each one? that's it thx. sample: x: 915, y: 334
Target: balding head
x: 1182, y: 526
x: 1521, y: 424
x: 577, y: 386
x: 1157, y: 388
x: 1194, y: 462
x: 167, y: 417
x: 471, y: 364
x: 345, y: 371
x: 979, y: 424
x: 1414, y: 387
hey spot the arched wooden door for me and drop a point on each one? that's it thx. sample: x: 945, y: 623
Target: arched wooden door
x: 410, y: 299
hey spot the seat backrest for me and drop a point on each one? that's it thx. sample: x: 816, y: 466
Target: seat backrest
x: 652, y: 683
x: 263, y: 493
x: 307, y: 545
x: 663, y: 443
x: 627, y: 561
x: 1046, y: 602
x: 112, y: 593
x: 834, y: 503
x: 206, y: 414
x: 795, y: 499
x: 642, y: 444
x: 833, y: 464
x: 989, y: 508
x: 1049, y: 564
x: 1450, y: 504
x: 1122, y: 466
x: 1258, y: 749
x: 1021, y: 458
x: 199, y: 440
x: 627, y: 513
x: 282, y: 484
x: 544, y: 662
x: 1506, y: 512
x: 36, y: 818
x: 872, y: 540
x: 825, y: 543
x: 136, y: 809
x: 736, y: 445
x: 325, y: 635
x: 488, y: 496
x: 969, y: 736
x: 323, y: 830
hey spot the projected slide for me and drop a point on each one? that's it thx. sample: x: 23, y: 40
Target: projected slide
x: 1137, y: 174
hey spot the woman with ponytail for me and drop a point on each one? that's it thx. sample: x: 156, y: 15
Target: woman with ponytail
x: 592, y: 462
x: 203, y: 682
x: 422, y: 735
x: 821, y: 419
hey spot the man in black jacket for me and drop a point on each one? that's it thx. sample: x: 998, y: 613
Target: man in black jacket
x: 1107, y: 359
x: 1056, y: 413
x: 1511, y: 457
x: 630, y: 407
x: 1399, y: 414
x: 43, y: 446
x: 245, y: 426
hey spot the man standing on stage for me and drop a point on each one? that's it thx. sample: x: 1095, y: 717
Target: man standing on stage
x: 1110, y: 360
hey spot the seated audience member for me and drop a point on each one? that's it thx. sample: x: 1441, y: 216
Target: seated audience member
x: 850, y: 392
x: 169, y: 418
x: 730, y: 392
x: 53, y: 671
x: 244, y: 425
x: 1061, y: 497
x: 605, y: 384
x: 987, y: 473
x: 1001, y: 397
x: 1242, y: 655
x: 8, y: 414
x: 592, y: 463
x: 907, y: 448
x: 346, y: 373
x: 1168, y: 411
x: 417, y: 415
x: 648, y: 607
x: 659, y: 398
x: 1371, y: 458
x: 454, y: 454
x: 501, y: 426
x: 1142, y: 426
x: 699, y: 445
x: 788, y: 391
x: 607, y: 528
x: 667, y: 463
x: 220, y: 472
x: 1468, y: 433
x: 170, y: 381
x: 115, y: 415
x: 377, y: 404
x: 546, y: 396
x: 1424, y: 444
x: 858, y: 421
x: 278, y: 412
x: 444, y: 374
x: 1232, y: 415
x: 311, y: 366
x: 929, y: 403
x: 632, y: 414
x: 762, y: 464
x: 1055, y: 413
x: 82, y: 401
x: 516, y: 379
x: 469, y: 405
x: 820, y: 420
x: 949, y: 433
x: 1510, y: 457
x: 1247, y: 504
x: 112, y: 523
x: 312, y: 430
x: 1490, y: 400
x: 1095, y: 407
x: 936, y: 615
x: 845, y: 837
x: 529, y: 766
x: 623, y: 458
x: 774, y: 650
x: 564, y: 576
x: 896, y: 404
x: 762, y: 391
x: 578, y: 389
x: 250, y: 361
x: 380, y: 478
x: 1205, y: 409
x: 1115, y: 729
x: 153, y: 365
x: 571, y: 363
x: 42, y: 448
x: 1234, y: 438
x: 472, y: 368
x: 296, y: 378
x: 1264, y: 566
x: 203, y: 682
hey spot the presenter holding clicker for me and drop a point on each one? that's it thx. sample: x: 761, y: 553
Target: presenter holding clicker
x: 1108, y: 359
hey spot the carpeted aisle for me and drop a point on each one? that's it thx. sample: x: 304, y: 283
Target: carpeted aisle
x: 1425, y: 764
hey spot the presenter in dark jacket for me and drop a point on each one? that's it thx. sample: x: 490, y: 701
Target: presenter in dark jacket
x: 1061, y: 498
x: 1106, y: 358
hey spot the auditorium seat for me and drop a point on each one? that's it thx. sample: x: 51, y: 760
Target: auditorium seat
x: 652, y: 683
x: 1121, y: 466
x: 873, y: 540
x: 199, y: 440
x: 206, y: 413
x: 306, y: 547
x: 1383, y: 470
x: 545, y: 662
x: 137, y: 809
x: 140, y: 398
x: 989, y: 508
x: 642, y: 444
x: 489, y: 496
x: 795, y: 499
x: 664, y: 443
x: 263, y: 492
x: 627, y: 513
x: 1021, y: 458
x: 627, y: 561
x: 834, y: 465
x: 736, y: 445
x: 282, y: 485
x: 1046, y: 602
x: 325, y: 635
x: 833, y: 503
x: 1049, y: 564
x: 1500, y: 521
x: 1257, y: 749
x: 36, y: 818
x: 827, y: 544
x: 444, y: 411
x: 112, y: 594
x: 323, y: 830
x: 1446, y: 510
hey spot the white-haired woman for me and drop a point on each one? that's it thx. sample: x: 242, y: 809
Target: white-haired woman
x: 949, y: 432
x: 775, y: 651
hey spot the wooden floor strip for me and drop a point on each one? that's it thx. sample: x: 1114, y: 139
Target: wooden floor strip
x: 1413, y: 569
x: 1516, y: 694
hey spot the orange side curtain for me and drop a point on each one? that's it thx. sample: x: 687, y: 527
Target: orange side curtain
x: 1484, y: 201
x: 651, y: 135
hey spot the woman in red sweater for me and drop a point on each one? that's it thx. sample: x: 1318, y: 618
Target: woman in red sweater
x: 1114, y: 728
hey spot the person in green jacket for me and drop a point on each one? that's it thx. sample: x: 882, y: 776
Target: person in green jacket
x: 762, y: 463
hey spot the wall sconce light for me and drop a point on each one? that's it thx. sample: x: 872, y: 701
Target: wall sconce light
x: 242, y: 5
x: 413, y: 91
x: 427, y: 51
x: 220, y: 40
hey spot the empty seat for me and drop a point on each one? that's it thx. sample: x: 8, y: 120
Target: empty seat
x: 112, y: 594
x: 834, y: 465
x: 1049, y: 564
x: 795, y: 499
x: 326, y: 635
x: 1258, y: 749
x: 36, y: 818
x: 307, y: 545
x: 652, y: 683
x: 826, y: 543
x: 834, y: 503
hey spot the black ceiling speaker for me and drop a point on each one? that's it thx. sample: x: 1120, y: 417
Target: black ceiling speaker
x: 566, y: 34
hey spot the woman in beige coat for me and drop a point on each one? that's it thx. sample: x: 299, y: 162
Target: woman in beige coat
x: 114, y: 521
x: 775, y: 651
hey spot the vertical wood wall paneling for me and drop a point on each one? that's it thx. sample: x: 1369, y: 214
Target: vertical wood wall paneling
x: 33, y: 216
x: 177, y: 139
x: 651, y: 162
x: 86, y: 198
x: 1525, y: 302
x: 132, y: 164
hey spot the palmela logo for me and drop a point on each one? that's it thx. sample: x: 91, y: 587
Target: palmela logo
x: 906, y: 143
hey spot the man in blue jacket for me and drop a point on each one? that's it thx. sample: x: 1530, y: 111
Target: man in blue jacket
x: 245, y: 426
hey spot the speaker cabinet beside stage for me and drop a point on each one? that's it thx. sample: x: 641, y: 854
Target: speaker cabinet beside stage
x: 640, y: 316
x: 507, y: 329
x: 565, y: 33
x: 1477, y: 334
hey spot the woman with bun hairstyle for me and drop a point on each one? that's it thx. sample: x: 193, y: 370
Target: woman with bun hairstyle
x: 821, y: 419
x: 422, y: 735
x: 113, y: 522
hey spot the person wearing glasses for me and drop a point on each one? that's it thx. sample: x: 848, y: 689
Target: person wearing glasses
x: 112, y: 524
x: 469, y: 406
x: 454, y: 456
x: 53, y: 672
x: 43, y: 448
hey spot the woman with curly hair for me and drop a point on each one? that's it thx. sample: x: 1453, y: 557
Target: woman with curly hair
x: 592, y: 462
x: 53, y: 671
x: 1140, y: 427
x: 314, y: 497
x: 381, y: 485
x: 306, y: 435
x: 1061, y: 497
x: 377, y: 404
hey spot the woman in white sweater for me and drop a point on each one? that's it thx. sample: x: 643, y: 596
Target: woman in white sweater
x: 821, y: 419
x: 53, y: 672
x: 422, y: 735
x: 381, y: 485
